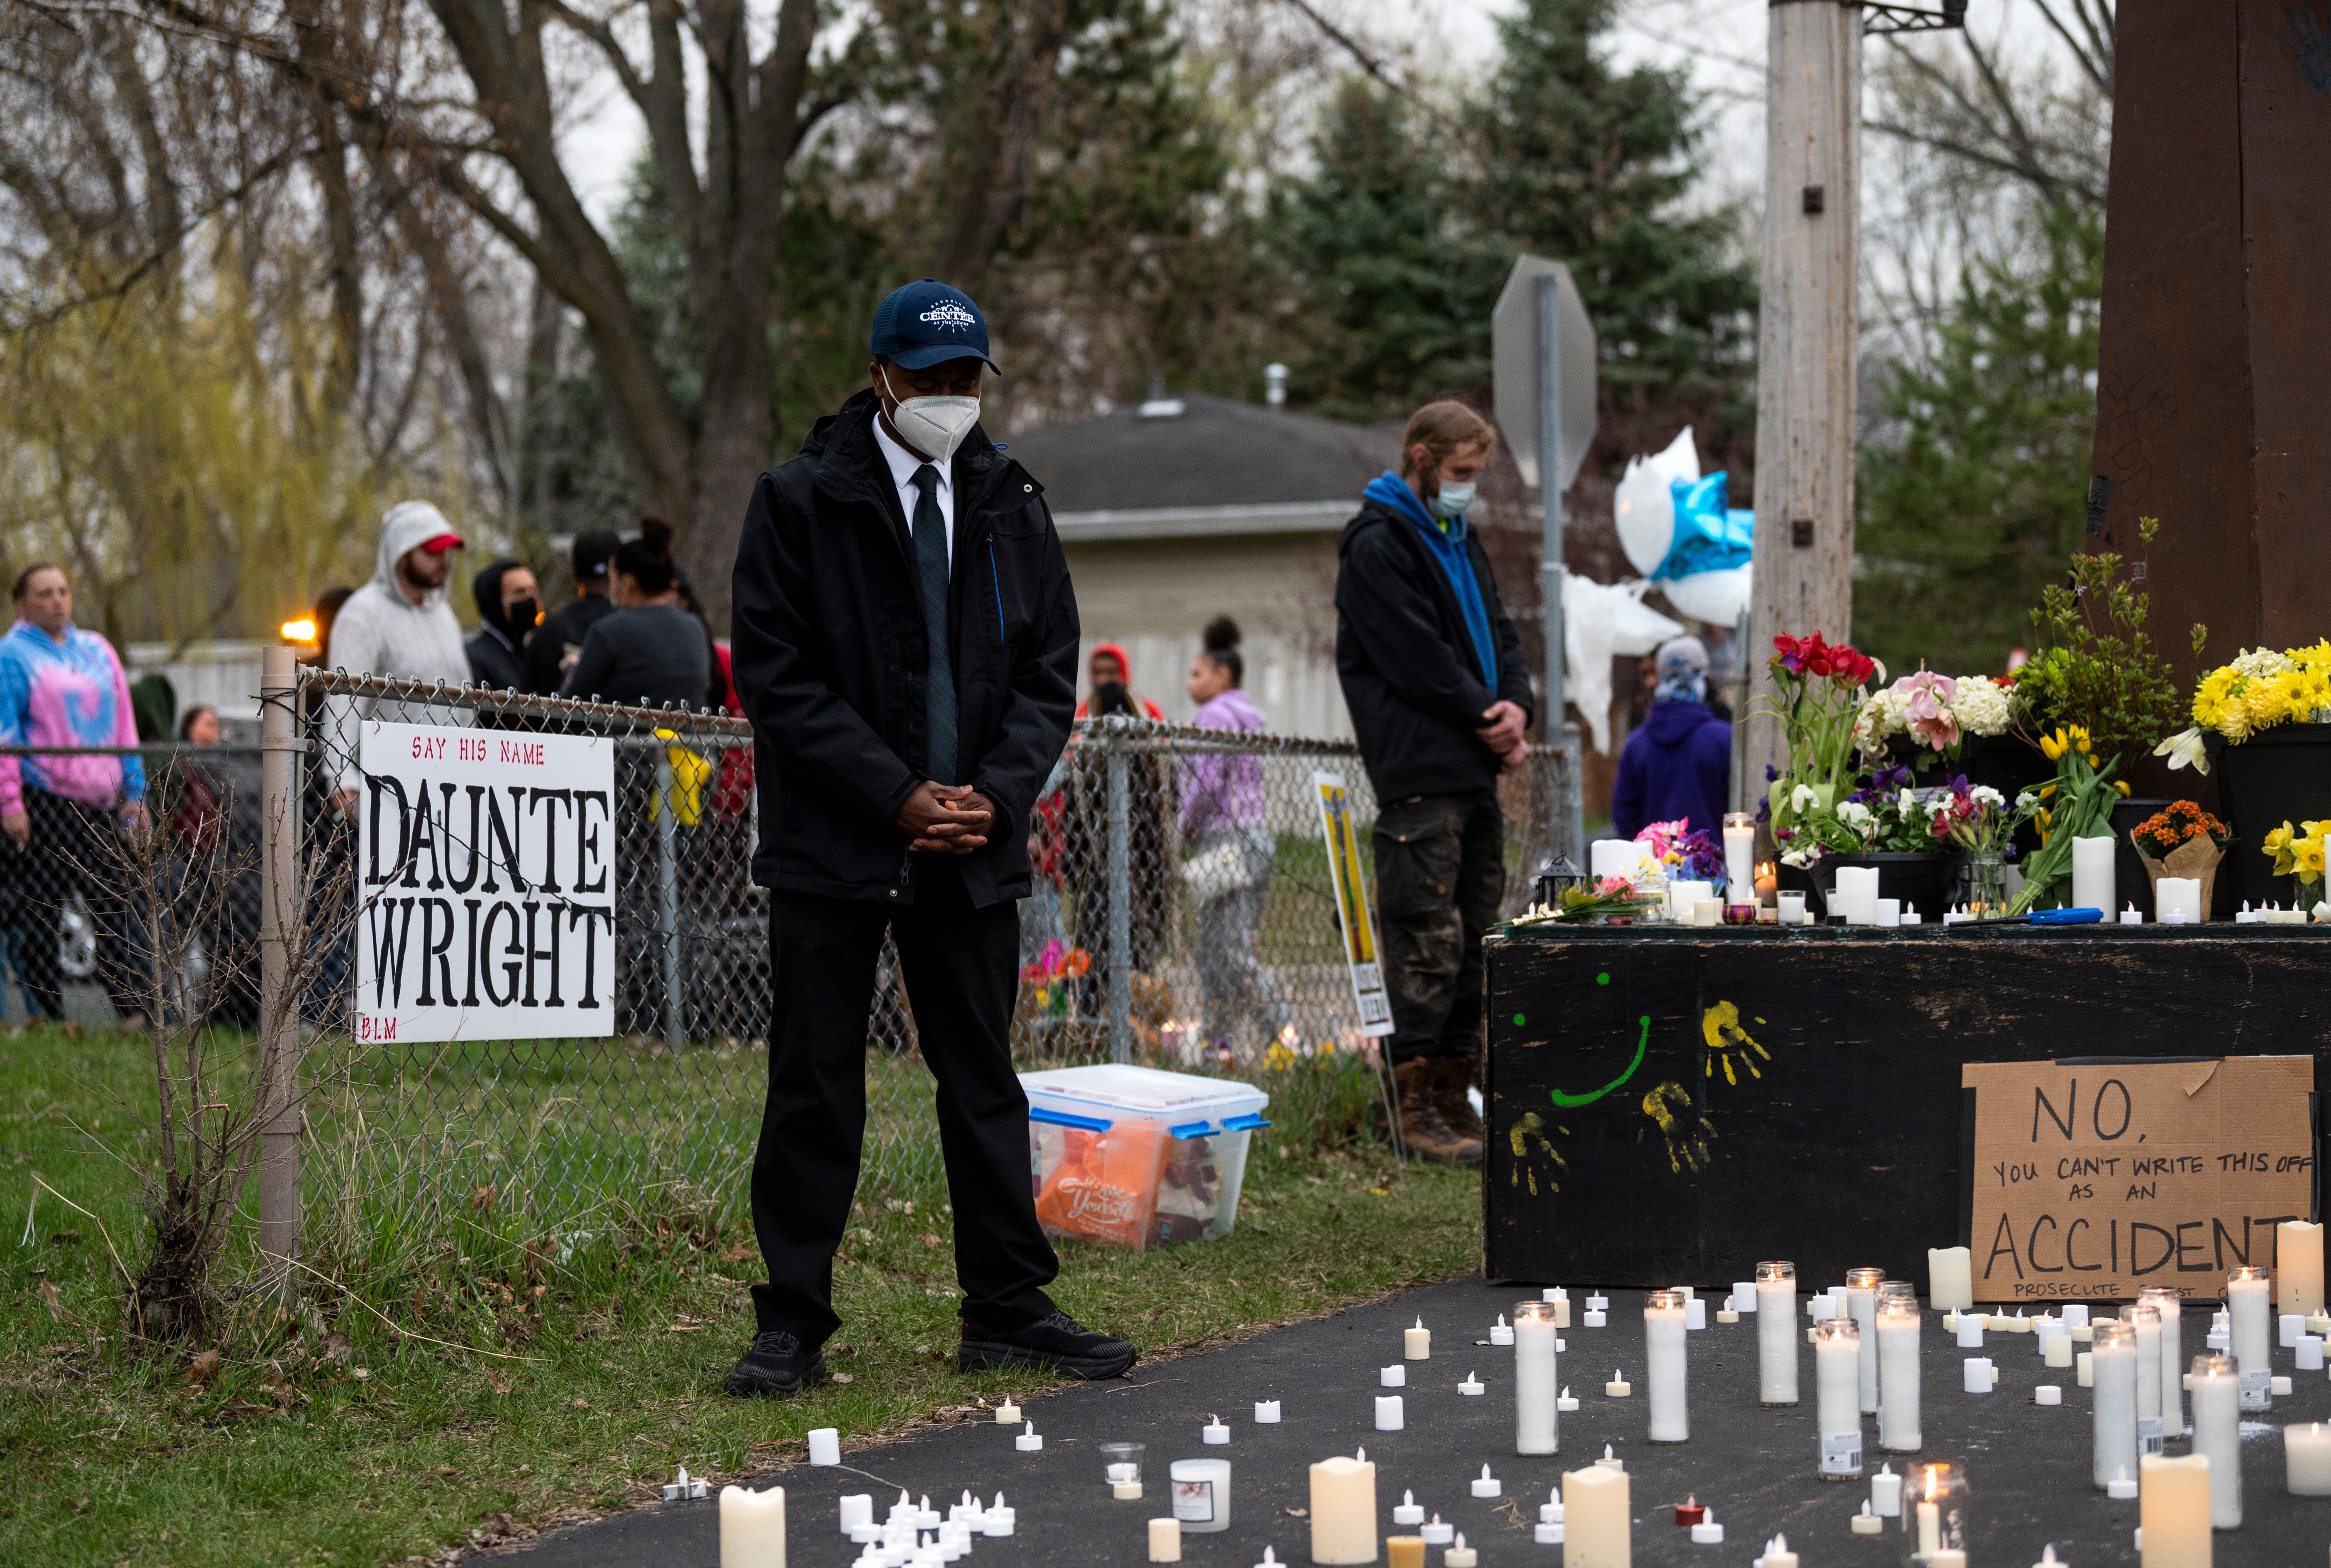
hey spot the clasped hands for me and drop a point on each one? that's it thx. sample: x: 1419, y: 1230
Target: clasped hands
x: 946, y: 818
x: 1502, y: 733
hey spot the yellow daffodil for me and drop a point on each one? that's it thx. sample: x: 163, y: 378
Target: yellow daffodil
x: 2277, y: 843
x: 2122, y: 785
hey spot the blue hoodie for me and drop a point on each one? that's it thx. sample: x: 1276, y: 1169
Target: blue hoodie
x: 1446, y: 539
x: 1678, y: 765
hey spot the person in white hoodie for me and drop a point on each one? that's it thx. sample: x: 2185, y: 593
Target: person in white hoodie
x: 398, y: 624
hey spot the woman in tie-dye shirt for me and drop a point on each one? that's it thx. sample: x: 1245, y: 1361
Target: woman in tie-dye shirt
x: 60, y: 686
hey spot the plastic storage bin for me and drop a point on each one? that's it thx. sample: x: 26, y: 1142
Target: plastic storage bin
x: 1134, y: 1157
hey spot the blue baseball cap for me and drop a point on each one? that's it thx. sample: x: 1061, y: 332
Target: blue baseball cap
x: 926, y: 323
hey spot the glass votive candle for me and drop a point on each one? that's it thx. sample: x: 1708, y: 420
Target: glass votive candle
x: 1664, y: 1315
x: 1896, y: 1326
x: 1792, y: 906
x: 1936, y: 1526
x: 1121, y: 1464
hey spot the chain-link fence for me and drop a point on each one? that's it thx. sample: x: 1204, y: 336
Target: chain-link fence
x: 1181, y: 914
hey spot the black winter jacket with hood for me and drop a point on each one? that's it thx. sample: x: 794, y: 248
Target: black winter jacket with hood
x: 1406, y: 661
x: 829, y: 657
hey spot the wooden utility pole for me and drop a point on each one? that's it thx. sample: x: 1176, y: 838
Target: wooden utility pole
x: 1807, y: 342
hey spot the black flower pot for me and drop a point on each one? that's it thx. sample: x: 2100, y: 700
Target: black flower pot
x: 2278, y: 776
x: 1919, y: 878
x: 2009, y: 766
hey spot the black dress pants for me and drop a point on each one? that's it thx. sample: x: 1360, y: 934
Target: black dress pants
x: 961, y: 966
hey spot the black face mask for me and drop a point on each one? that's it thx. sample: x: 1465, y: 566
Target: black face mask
x: 1109, y: 697
x: 519, y: 617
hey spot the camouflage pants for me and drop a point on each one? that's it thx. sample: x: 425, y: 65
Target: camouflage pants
x: 1440, y: 874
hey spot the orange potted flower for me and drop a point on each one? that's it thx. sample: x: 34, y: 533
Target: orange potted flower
x: 2182, y: 840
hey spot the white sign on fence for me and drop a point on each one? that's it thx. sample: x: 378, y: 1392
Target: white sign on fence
x: 1352, y: 904
x: 485, y: 864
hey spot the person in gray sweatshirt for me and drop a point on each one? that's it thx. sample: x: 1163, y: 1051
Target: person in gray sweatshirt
x: 398, y: 624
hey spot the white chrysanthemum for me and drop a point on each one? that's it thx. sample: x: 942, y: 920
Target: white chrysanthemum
x: 1982, y: 706
x: 2261, y: 661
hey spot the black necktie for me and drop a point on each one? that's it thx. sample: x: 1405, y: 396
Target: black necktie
x: 938, y: 686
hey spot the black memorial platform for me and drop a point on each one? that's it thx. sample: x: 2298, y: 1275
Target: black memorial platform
x: 1672, y: 1103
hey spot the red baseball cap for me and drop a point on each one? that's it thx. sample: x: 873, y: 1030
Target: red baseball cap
x: 441, y: 544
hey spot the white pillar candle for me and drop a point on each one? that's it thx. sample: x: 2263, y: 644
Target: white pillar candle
x: 1389, y: 1415
x: 2047, y: 1393
x: 2287, y: 1328
x: 1855, y: 896
x: 1979, y: 1375
x: 2307, y: 1353
x: 1266, y: 1412
x: 1560, y: 1297
x: 1164, y: 1540
x: 2113, y: 1359
x: 1837, y: 1398
x: 751, y: 1528
x: 1664, y: 1337
x: 1344, y: 1510
x: 2076, y: 1315
x: 1776, y: 1334
x: 2218, y: 1434
x: 2173, y: 1511
x: 2298, y: 1263
x: 1598, y: 1531
x: 1886, y: 913
x: 1202, y: 1495
x: 2251, y: 1326
x: 2092, y: 873
x: 1535, y: 1427
x: 824, y: 1446
x: 2177, y: 900
x: 2173, y: 1356
x: 1744, y: 1296
x: 2144, y: 1326
x: 1886, y: 1493
x: 1950, y: 1279
x: 1739, y: 857
x: 2307, y: 1460
x: 1970, y: 1335
x: 1694, y: 1313
x: 1613, y: 858
x: 1862, y: 1305
x: 1416, y: 1344
x: 1393, y: 1376
x: 1898, y: 1368
x: 2056, y: 1350
x: 856, y: 1510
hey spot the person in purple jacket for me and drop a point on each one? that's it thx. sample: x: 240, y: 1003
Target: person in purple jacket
x: 1679, y: 764
x: 60, y: 686
x: 1227, y: 867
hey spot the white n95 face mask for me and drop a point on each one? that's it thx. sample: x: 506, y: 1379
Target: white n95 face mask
x: 935, y: 426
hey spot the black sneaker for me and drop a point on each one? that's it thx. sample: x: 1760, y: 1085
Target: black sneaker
x: 778, y: 1366
x: 1058, y: 1343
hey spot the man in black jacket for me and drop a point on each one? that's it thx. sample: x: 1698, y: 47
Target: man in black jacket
x: 1433, y: 674
x: 558, y: 642
x: 905, y: 642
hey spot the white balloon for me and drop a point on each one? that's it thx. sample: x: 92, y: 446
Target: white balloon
x: 1717, y: 597
x: 1599, y: 620
x: 1645, y: 507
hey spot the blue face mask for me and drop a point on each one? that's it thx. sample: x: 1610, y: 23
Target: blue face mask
x: 1453, y: 500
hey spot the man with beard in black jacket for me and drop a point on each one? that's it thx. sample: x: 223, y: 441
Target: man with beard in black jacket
x: 1433, y: 676
x: 904, y: 643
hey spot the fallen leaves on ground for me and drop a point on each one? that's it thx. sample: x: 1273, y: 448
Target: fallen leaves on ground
x: 204, y: 1367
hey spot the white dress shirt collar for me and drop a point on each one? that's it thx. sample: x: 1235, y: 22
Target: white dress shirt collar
x: 903, y: 464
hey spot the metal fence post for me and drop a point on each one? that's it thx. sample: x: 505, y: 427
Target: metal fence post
x: 279, y: 933
x: 1120, y: 901
x: 668, y: 896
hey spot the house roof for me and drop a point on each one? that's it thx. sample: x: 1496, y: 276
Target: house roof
x: 1197, y: 465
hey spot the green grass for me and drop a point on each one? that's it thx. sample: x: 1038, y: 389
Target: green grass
x: 608, y: 1364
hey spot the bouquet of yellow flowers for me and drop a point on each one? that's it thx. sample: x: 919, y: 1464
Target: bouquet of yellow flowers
x: 2256, y: 692
x: 2299, y: 854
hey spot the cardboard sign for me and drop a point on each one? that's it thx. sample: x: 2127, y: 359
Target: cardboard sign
x: 485, y: 864
x: 1368, y: 991
x: 2091, y: 1178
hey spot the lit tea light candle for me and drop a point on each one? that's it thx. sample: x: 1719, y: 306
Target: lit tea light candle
x: 1126, y: 1491
x: 1460, y: 1555
x: 1596, y: 1318
x: 1707, y: 1532
x: 1618, y: 1387
x: 2121, y: 1488
x: 1777, y: 1553
x: 1866, y: 1523
x: 1727, y: 1314
x: 1008, y: 1414
x: 1408, y: 1510
x: 1266, y: 1412
x: 1485, y: 1485
x: 1214, y: 1431
x: 1473, y: 1385
x: 1611, y: 1461
x: 1598, y: 1302
x: 1501, y: 1332
x: 998, y: 1520
x: 1416, y: 1344
x: 1436, y: 1533
x: 1393, y: 1376
x: 1563, y: 1402
x: 1689, y: 1511
x: 1028, y: 1442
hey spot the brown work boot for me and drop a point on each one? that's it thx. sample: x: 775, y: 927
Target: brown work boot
x: 1456, y: 1109
x: 1422, y: 1129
